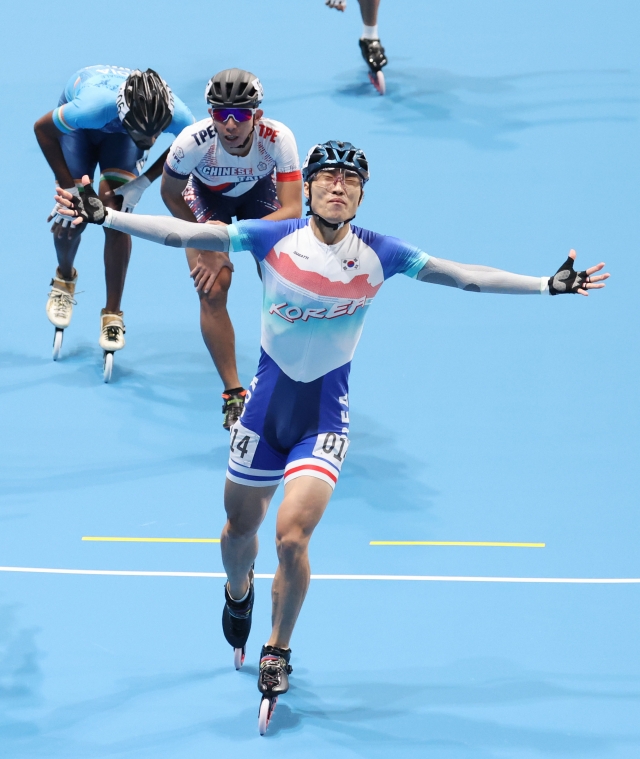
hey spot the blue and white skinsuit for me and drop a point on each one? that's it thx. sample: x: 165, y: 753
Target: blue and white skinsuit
x: 315, y: 299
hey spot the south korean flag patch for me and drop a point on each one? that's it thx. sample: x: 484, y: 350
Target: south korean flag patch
x: 350, y: 264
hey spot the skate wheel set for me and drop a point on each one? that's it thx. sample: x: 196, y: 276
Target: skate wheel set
x: 107, y: 366
x: 57, y: 343
x: 377, y: 80
x: 265, y: 712
x: 238, y: 657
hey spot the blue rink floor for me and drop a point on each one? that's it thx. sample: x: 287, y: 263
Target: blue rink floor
x: 509, y: 135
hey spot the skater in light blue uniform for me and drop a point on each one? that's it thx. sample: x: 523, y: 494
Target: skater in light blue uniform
x: 111, y: 116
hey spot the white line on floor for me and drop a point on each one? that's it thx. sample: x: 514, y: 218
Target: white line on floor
x: 404, y: 578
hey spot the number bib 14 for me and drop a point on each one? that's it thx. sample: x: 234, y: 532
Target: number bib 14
x: 243, y: 445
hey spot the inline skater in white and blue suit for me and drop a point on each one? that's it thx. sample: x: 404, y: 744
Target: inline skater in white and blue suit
x: 320, y: 276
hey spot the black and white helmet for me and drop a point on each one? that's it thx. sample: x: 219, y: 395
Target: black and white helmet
x: 145, y: 106
x: 335, y: 155
x: 234, y: 88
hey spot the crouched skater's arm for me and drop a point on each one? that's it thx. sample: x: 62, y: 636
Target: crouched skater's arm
x: 165, y: 230
x: 484, y: 279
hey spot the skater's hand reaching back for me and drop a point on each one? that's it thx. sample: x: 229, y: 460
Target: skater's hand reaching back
x: 209, y: 264
x: 87, y: 208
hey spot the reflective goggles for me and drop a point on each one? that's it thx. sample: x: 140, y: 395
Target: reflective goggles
x: 239, y: 115
x: 328, y: 177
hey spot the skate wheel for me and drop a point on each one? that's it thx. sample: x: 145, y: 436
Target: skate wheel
x: 267, y: 706
x: 377, y: 80
x: 238, y: 657
x: 107, y: 367
x: 57, y: 343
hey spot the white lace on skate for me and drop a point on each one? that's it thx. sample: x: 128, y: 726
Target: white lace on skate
x: 111, y: 332
x: 60, y: 308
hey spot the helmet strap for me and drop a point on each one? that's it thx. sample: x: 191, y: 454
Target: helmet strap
x: 246, y: 142
x: 323, y: 221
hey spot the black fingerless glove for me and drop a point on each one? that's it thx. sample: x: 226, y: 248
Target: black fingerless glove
x: 89, y: 206
x: 567, y: 281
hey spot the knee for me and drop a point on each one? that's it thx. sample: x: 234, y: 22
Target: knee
x: 291, y: 546
x: 240, y: 526
x: 217, y: 296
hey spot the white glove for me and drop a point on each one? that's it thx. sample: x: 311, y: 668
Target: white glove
x: 132, y: 192
x: 58, y: 218
x: 339, y: 5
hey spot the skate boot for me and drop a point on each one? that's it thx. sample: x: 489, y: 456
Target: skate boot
x: 233, y: 406
x: 373, y: 54
x: 236, y: 622
x: 273, y: 681
x: 60, y: 307
x: 111, y: 339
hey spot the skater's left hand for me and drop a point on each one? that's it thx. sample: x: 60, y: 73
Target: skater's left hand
x: 209, y: 264
x: 568, y: 281
x: 339, y: 5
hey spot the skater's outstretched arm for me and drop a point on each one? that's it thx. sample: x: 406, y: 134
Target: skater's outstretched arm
x: 484, y: 279
x: 170, y: 231
x: 165, y: 230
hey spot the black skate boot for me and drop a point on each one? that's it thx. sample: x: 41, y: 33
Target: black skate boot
x: 236, y: 622
x: 273, y: 681
x: 233, y: 406
x: 375, y: 58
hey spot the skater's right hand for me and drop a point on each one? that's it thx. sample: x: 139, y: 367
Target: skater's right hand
x: 339, y: 5
x: 209, y: 264
x: 85, y: 209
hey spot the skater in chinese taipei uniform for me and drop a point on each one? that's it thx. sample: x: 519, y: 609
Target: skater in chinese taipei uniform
x: 111, y: 116
x: 370, y: 45
x: 320, y: 277
x: 236, y: 163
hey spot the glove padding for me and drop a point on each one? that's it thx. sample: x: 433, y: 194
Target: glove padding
x: 89, y: 207
x: 57, y: 218
x: 567, y: 281
x: 131, y: 192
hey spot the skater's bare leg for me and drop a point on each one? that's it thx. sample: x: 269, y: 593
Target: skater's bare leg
x: 304, y: 503
x: 246, y: 507
x: 117, y: 251
x: 369, y: 11
x: 66, y: 241
x: 216, y: 327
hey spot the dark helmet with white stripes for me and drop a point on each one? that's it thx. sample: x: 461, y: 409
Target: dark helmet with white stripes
x: 234, y: 88
x: 335, y: 155
x: 145, y: 106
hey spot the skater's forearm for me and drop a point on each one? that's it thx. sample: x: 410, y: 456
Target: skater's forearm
x: 484, y: 279
x: 168, y: 231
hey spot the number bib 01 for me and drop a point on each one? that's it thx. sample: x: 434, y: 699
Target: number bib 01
x: 332, y: 447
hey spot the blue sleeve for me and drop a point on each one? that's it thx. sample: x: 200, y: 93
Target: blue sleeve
x: 182, y: 117
x: 92, y: 108
x: 396, y: 256
x: 259, y: 236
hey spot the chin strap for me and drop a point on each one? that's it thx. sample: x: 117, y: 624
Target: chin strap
x: 328, y: 224
x: 246, y: 142
x: 323, y: 221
